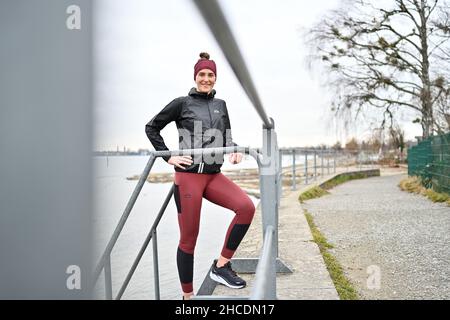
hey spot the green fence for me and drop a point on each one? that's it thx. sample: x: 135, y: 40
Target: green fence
x: 430, y: 160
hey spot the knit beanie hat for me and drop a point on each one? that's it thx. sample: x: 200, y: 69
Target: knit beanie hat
x: 204, y: 63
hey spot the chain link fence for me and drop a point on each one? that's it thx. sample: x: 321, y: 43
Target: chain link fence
x: 430, y: 160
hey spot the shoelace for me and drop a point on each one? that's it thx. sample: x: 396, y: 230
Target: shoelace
x: 228, y: 266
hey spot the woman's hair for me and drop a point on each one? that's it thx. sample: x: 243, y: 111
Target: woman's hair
x: 204, y: 55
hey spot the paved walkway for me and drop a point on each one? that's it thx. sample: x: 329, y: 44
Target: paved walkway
x: 392, y: 244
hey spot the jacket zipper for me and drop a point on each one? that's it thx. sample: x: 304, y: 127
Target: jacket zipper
x: 210, y: 118
x: 210, y: 123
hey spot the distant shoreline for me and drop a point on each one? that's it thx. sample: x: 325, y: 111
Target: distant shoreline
x: 247, y: 179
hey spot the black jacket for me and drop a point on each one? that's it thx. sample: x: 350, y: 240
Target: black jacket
x: 202, y: 122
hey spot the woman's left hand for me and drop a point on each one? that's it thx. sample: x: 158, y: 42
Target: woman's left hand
x: 235, y: 157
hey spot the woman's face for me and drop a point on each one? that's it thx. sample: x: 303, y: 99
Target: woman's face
x: 205, y: 80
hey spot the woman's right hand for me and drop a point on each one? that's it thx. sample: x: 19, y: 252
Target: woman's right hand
x: 178, y: 161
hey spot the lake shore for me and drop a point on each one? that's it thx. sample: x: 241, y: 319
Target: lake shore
x: 247, y: 179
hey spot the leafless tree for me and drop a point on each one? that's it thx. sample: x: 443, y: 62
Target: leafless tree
x: 387, y: 56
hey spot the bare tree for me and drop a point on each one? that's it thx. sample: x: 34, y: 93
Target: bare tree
x: 388, y: 56
x: 352, y: 146
x: 397, y: 140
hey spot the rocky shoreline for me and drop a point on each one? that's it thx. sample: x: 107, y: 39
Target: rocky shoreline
x: 247, y: 179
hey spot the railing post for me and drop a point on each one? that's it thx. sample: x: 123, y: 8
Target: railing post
x: 328, y: 162
x: 294, y: 186
x: 360, y: 162
x: 265, y: 285
x: 306, y: 167
x: 315, y: 166
x: 108, y: 279
x: 268, y: 183
x: 156, y: 265
x: 280, y: 177
x: 346, y: 161
x: 334, y: 162
x: 321, y: 162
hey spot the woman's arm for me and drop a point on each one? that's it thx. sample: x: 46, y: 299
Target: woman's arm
x: 233, y: 157
x: 153, y: 128
x: 228, y: 141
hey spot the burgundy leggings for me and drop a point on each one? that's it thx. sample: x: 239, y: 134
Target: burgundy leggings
x: 190, y: 188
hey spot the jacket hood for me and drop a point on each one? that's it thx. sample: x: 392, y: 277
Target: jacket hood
x: 194, y: 93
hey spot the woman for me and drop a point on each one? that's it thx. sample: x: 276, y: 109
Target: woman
x: 199, y: 118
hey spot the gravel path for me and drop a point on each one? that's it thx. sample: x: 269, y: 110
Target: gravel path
x: 376, y: 226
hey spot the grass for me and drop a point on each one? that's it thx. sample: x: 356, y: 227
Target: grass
x: 341, y: 179
x: 315, y: 192
x: 343, y: 286
x: 414, y: 185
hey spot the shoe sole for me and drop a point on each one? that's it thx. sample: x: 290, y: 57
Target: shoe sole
x: 223, y: 281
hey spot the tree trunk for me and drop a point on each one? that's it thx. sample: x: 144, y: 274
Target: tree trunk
x: 427, y: 107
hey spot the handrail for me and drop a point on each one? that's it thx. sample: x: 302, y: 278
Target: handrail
x: 105, y: 262
x: 150, y: 235
x: 264, y: 285
x: 142, y: 179
x: 214, y: 17
x: 124, y: 216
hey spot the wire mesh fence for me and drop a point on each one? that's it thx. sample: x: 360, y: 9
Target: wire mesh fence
x: 430, y: 160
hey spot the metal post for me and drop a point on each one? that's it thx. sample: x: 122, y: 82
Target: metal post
x: 315, y: 165
x: 328, y: 162
x: 280, y: 177
x: 265, y: 283
x: 359, y: 159
x: 306, y: 167
x: 294, y: 186
x: 268, y: 184
x: 155, y: 265
x: 334, y: 162
x: 321, y: 163
x: 346, y: 159
x: 108, y: 281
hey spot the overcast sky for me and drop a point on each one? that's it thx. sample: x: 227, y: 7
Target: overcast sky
x: 146, y: 51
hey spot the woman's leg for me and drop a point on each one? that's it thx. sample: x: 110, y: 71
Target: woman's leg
x: 188, y: 198
x: 224, y: 192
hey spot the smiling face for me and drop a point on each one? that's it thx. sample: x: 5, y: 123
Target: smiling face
x: 205, y: 80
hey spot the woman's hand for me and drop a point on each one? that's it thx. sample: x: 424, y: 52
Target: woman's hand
x: 235, y: 157
x: 178, y: 161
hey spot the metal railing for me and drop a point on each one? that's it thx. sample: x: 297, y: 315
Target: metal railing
x: 270, y: 192
x: 215, y: 19
x: 268, y: 160
x: 313, y: 162
x: 265, y: 286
